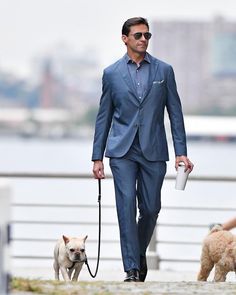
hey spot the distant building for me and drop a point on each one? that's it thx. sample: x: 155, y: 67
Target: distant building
x: 203, y: 55
x: 47, y: 86
x: 15, y: 92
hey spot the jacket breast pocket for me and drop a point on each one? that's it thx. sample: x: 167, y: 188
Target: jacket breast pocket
x: 158, y: 88
x: 159, y: 83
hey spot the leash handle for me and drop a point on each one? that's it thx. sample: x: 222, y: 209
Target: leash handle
x: 99, y: 232
x: 99, y: 190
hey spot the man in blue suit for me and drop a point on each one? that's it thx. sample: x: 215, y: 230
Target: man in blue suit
x: 130, y: 130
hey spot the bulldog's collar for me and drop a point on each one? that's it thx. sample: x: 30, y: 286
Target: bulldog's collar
x: 76, y: 261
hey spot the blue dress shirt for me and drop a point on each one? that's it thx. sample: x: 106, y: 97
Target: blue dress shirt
x: 139, y: 74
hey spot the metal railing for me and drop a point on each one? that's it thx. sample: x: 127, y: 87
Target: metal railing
x: 108, y: 176
x: 155, y: 241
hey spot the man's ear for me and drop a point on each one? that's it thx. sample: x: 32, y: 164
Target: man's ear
x: 124, y: 38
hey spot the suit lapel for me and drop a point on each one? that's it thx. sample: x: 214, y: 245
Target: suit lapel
x: 152, y: 73
x: 126, y: 76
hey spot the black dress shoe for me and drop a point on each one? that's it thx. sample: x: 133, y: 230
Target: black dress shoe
x: 132, y: 276
x: 143, y: 268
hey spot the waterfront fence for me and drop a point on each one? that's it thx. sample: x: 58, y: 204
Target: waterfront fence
x: 36, y: 225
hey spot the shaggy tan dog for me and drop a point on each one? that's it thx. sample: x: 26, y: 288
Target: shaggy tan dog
x: 219, y: 249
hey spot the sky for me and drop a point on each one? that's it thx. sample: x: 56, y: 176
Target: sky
x: 29, y: 28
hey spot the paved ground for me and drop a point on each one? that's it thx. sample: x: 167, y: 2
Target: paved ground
x: 110, y: 282
x: 116, y: 275
x: 157, y: 288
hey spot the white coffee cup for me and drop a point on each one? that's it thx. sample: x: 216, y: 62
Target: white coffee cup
x: 181, y: 177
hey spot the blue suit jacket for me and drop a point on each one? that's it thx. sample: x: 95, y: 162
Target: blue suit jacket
x: 121, y: 114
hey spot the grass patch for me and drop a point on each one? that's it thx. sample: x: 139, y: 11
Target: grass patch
x: 41, y: 287
x: 51, y: 287
x: 20, y: 284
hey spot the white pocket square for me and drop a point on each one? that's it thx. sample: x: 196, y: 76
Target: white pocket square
x: 158, y: 82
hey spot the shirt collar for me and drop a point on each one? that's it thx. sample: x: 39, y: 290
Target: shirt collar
x: 129, y: 60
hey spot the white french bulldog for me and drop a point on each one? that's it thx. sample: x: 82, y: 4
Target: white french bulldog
x: 69, y: 256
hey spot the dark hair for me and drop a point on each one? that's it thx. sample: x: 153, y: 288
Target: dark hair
x: 132, y: 22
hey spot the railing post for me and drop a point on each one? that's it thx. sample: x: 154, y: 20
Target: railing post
x: 152, y: 255
x: 4, y: 237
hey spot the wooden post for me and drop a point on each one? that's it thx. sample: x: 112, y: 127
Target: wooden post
x: 4, y: 237
x: 152, y: 255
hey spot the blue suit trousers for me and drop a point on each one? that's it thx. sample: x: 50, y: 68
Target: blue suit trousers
x: 137, y: 183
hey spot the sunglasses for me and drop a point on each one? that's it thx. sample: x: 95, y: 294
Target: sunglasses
x: 139, y: 35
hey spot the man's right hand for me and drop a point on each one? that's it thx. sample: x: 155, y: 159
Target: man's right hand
x: 98, y: 169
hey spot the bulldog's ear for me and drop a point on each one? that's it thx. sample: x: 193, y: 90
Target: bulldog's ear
x: 66, y: 239
x: 85, y: 238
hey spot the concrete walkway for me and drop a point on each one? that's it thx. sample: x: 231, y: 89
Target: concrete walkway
x: 113, y: 275
x: 116, y: 275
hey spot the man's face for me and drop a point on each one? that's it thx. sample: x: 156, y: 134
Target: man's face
x: 136, y: 46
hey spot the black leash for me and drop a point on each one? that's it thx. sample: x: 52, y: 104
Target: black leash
x: 99, y: 233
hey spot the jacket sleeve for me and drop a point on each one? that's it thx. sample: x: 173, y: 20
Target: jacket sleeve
x: 175, y: 113
x: 103, y: 120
